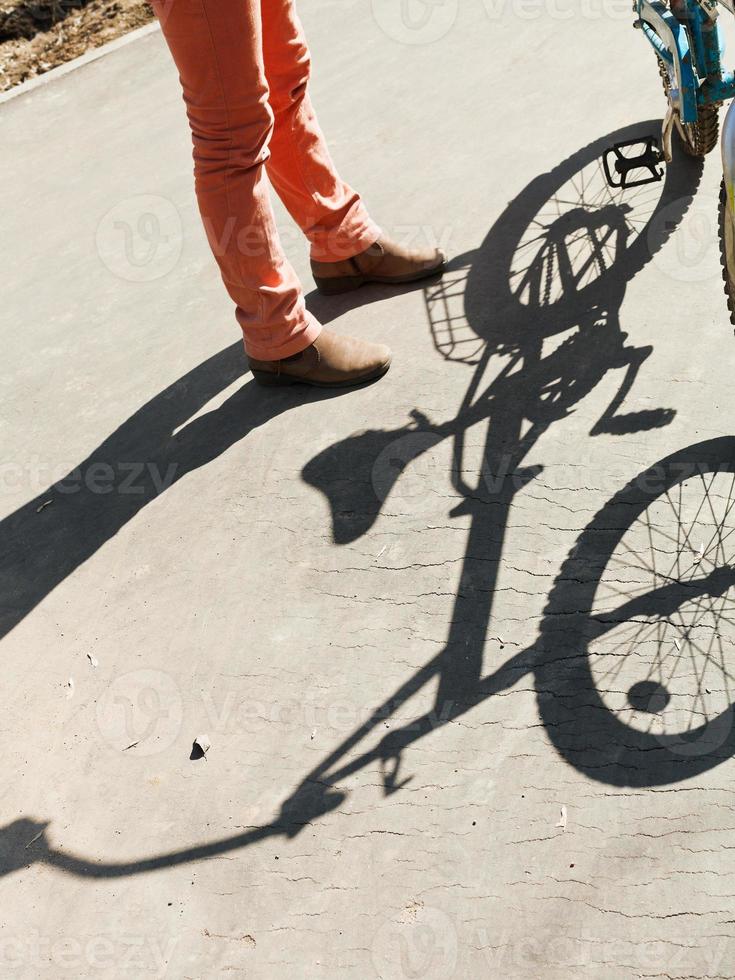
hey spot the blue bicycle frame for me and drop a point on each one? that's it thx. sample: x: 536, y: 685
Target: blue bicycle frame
x: 687, y: 39
x: 690, y: 45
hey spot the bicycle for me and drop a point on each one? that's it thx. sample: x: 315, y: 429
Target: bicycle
x: 686, y: 38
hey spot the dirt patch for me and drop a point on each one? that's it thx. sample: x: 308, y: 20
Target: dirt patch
x: 37, y: 35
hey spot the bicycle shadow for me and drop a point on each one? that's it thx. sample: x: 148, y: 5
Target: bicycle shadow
x: 527, y: 283
x: 556, y: 264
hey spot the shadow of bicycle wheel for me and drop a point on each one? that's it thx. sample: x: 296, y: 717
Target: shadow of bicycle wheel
x: 635, y: 680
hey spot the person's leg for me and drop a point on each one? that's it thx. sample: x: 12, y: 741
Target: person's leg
x: 329, y: 212
x: 347, y: 247
x: 217, y: 47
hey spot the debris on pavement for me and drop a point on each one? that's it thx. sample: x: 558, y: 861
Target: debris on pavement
x: 201, y: 746
x: 93, y: 660
x: 562, y: 822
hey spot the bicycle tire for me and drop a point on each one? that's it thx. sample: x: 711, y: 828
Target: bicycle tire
x: 701, y: 137
x: 727, y: 251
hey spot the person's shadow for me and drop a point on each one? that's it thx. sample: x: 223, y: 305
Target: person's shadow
x: 46, y: 539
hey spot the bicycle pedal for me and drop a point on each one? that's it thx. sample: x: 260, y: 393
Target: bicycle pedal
x: 624, y: 165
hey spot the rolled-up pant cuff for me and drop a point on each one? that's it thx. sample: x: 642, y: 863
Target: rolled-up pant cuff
x: 301, y: 337
x: 356, y: 232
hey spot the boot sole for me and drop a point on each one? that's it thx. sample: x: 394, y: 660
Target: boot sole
x: 270, y: 379
x: 346, y: 284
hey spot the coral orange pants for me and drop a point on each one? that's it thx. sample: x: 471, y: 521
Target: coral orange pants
x: 244, y: 68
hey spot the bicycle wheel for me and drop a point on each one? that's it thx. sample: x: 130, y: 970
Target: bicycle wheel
x: 727, y: 250
x: 701, y: 137
x: 636, y: 679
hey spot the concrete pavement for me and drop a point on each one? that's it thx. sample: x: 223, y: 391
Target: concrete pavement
x: 465, y: 672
